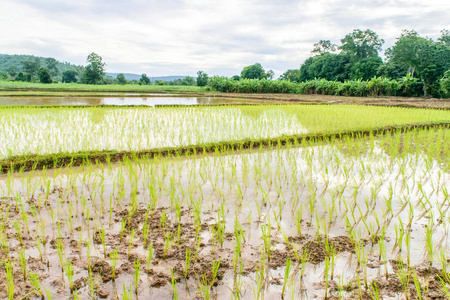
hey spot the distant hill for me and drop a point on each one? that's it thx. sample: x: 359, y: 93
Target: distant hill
x: 131, y: 76
x: 16, y: 60
x: 7, y: 60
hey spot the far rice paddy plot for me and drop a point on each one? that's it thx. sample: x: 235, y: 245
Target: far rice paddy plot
x: 38, y: 131
x: 351, y: 219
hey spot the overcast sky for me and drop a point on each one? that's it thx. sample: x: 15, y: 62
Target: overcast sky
x: 180, y: 37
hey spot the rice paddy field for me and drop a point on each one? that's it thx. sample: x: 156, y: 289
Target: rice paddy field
x: 349, y: 217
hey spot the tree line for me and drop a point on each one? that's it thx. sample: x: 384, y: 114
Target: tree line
x: 419, y: 66
x: 48, y: 70
x: 357, y: 58
x: 414, y: 66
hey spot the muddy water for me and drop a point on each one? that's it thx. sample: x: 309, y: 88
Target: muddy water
x: 342, y: 191
x: 151, y: 100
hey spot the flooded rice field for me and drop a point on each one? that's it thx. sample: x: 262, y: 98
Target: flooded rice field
x: 149, y: 100
x: 350, y: 219
x: 41, y: 130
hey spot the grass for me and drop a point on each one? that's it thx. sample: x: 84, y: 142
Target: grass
x: 7, y: 87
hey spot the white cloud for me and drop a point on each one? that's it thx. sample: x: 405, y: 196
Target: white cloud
x: 219, y: 37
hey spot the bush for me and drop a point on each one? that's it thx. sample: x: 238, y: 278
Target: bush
x: 377, y: 86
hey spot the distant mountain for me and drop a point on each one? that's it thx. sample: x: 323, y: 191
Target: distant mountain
x: 131, y: 76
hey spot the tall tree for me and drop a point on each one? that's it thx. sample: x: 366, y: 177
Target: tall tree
x: 327, y: 66
x: 69, y: 76
x: 255, y: 71
x: 45, y: 75
x: 144, y: 79
x: 445, y: 82
x: 366, y: 68
x: 188, y: 80
x: 445, y: 37
x: 324, y: 46
x: 361, y: 44
x: 202, y: 78
x: 121, y: 78
x: 12, y: 70
x: 426, y: 59
x: 292, y: 75
x: 270, y: 74
x: 52, y: 65
x: 31, y: 66
x: 95, y: 70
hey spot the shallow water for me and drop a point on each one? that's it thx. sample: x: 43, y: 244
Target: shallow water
x: 150, y: 100
x: 328, y: 183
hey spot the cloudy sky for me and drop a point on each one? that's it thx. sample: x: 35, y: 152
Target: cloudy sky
x: 180, y: 37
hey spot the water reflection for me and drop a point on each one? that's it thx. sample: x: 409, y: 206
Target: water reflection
x: 114, y: 101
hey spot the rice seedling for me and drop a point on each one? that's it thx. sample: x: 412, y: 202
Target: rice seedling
x: 362, y: 195
x: 69, y: 273
x: 114, y: 257
x: 137, y: 273
x: 127, y: 294
x: 36, y: 283
x: 174, y: 285
x: 286, y: 275
x: 9, y: 268
x: 187, y: 263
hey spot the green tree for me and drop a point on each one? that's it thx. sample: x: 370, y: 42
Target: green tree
x: 202, y: 78
x: 121, y: 78
x: 52, y: 65
x: 324, y: 46
x: 161, y: 82
x: 255, y: 71
x: 12, y: 70
x: 361, y: 44
x: 366, y: 68
x: 445, y: 37
x: 45, y: 76
x: 188, y: 80
x: 144, y: 79
x: 23, y: 77
x: 292, y: 75
x: 333, y: 67
x: 445, y: 83
x: 236, y: 77
x: 176, y: 82
x: 69, y: 76
x: 3, y: 75
x: 31, y: 66
x: 425, y: 59
x: 392, y: 70
x: 270, y: 74
x: 95, y: 70
x: 108, y: 79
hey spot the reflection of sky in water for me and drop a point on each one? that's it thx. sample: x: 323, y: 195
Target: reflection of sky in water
x: 119, y: 101
x: 343, y: 184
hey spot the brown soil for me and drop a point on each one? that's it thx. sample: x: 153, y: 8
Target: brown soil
x: 336, y: 100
